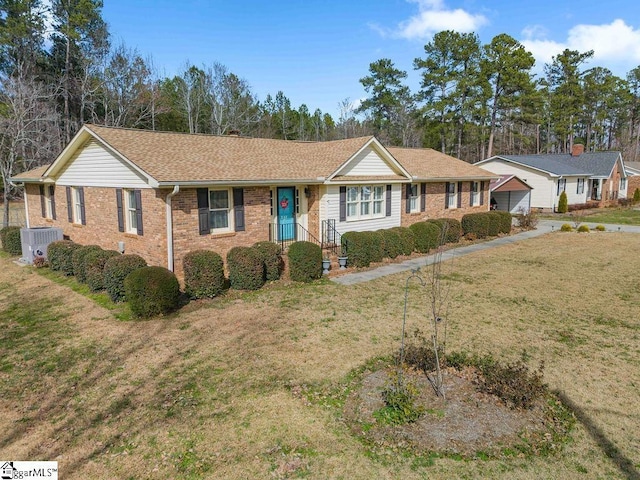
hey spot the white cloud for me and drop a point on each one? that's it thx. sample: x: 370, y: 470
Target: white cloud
x: 614, y: 44
x: 433, y: 17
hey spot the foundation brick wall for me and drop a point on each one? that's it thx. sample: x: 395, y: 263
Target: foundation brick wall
x: 435, y: 204
x: 102, y: 221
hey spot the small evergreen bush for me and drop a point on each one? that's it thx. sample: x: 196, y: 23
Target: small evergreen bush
x: 375, y: 240
x: 361, y: 248
x: 452, y: 229
x: 116, y: 270
x: 391, y: 243
x: 407, y: 240
x: 94, y: 267
x: 505, y: 221
x: 566, y: 228
x: 246, y: 270
x: 60, y: 255
x: 477, y: 223
x: 493, y: 224
x: 78, y: 259
x: 305, y: 261
x: 563, y: 203
x: 11, y: 242
x: 427, y: 236
x: 600, y: 228
x: 152, y: 291
x: 583, y: 228
x: 203, y: 274
x: 271, y: 255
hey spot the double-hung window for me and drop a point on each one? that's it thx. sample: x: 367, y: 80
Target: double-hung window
x: 475, y: 194
x: 580, y: 186
x: 452, y: 201
x: 365, y: 201
x: 131, y: 219
x: 76, y: 205
x: 623, y: 183
x: 48, y: 201
x: 220, y: 218
x: 414, y: 198
x: 562, y: 185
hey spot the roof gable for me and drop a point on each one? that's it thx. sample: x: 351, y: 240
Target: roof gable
x: 371, y: 161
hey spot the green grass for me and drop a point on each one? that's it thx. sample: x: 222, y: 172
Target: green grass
x: 620, y: 216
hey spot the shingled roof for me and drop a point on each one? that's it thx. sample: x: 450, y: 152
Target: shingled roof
x: 429, y: 164
x: 590, y: 164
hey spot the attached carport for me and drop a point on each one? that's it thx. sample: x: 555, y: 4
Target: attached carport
x: 510, y: 194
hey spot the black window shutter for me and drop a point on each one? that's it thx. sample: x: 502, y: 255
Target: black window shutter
x: 407, y: 198
x: 43, y: 209
x: 203, y: 211
x: 52, y: 196
x: 83, y: 218
x: 446, y: 195
x: 481, y: 193
x: 138, y: 195
x: 120, y: 210
x: 423, y: 197
x: 238, y: 209
x: 343, y: 204
x: 459, y: 194
x: 388, y: 201
x: 471, y: 194
x: 69, y: 205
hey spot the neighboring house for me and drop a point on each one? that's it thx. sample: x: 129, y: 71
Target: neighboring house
x: 511, y: 194
x: 597, y: 177
x: 633, y: 174
x: 161, y: 194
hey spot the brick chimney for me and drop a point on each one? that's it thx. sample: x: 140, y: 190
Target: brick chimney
x: 577, y: 150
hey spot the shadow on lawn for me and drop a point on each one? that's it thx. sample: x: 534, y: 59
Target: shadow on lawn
x: 624, y: 464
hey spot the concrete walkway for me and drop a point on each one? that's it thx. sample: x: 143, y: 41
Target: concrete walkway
x: 544, y: 227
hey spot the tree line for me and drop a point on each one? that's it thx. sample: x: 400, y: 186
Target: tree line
x: 59, y: 70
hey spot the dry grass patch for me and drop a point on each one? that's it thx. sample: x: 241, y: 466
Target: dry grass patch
x: 214, y: 391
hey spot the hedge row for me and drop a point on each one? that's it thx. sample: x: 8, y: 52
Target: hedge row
x: 486, y: 224
x: 11, y: 243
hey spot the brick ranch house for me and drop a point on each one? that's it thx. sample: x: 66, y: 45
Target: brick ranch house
x: 165, y: 194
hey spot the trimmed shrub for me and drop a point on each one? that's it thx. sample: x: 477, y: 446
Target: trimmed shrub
x: 453, y: 228
x: 271, y: 255
x: 563, y: 203
x: 363, y: 248
x: 494, y: 222
x: 391, y: 243
x: 246, y: 270
x: 78, y: 259
x: 60, y: 255
x: 477, y: 223
x: 305, y: 261
x: 636, y: 195
x: 94, y: 267
x: 566, y: 228
x: 600, y: 228
x: 584, y: 228
x: 407, y: 240
x: 505, y: 221
x: 427, y: 236
x: 11, y: 242
x: 116, y: 270
x: 152, y: 291
x: 203, y: 274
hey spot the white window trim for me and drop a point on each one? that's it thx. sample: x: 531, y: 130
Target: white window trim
x: 414, y: 200
x: 563, y: 182
x: 48, y: 203
x: 452, y: 197
x: 623, y: 183
x: 580, y: 189
x: 130, y: 212
x: 76, y: 206
x: 230, y: 225
x: 372, y: 201
x: 475, y: 194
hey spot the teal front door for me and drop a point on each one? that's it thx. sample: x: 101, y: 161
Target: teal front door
x: 286, y: 214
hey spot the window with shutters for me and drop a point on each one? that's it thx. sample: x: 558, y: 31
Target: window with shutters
x: 76, y: 205
x: 562, y: 185
x: 475, y: 194
x: 48, y: 202
x: 220, y: 211
x: 452, y: 192
x: 131, y: 219
x: 414, y: 198
x: 365, y: 201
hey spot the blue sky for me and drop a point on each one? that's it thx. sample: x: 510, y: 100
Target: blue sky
x: 316, y: 51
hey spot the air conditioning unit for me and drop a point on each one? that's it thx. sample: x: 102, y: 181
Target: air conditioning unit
x: 35, y: 241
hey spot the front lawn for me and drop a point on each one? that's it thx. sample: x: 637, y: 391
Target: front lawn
x: 252, y: 385
x: 620, y: 216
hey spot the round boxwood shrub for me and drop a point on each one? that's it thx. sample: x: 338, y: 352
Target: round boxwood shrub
x: 391, y: 247
x: 94, y: 267
x: 563, y: 203
x: 357, y: 248
x: 270, y: 253
x: 453, y: 229
x: 305, y: 261
x: 78, y: 260
x: 584, y: 228
x: 152, y: 291
x: 477, y: 223
x: 505, y: 221
x: 203, y: 274
x: 426, y: 235
x: 11, y: 243
x: 60, y: 255
x: 566, y: 228
x: 116, y: 270
x: 246, y: 270
x: 374, y: 239
x: 494, y: 222
x: 600, y: 228
x: 407, y: 240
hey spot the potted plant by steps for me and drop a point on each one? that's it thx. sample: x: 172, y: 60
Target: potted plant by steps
x: 342, y: 258
x: 326, y: 265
